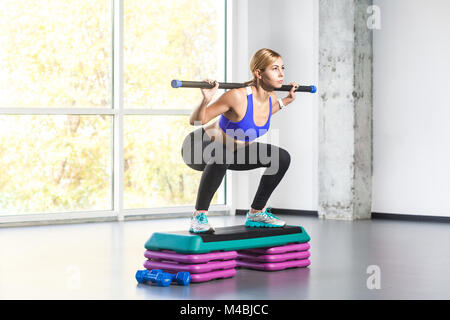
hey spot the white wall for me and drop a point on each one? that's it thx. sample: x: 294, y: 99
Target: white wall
x: 411, y: 113
x: 290, y: 28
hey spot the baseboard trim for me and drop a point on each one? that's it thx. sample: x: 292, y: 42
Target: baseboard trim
x: 375, y: 215
x: 408, y: 217
x: 284, y: 211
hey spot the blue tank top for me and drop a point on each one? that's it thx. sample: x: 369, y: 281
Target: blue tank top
x: 246, y: 129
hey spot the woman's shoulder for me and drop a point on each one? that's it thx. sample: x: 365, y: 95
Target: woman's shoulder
x: 239, y: 91
x: 235, y: 99
x: 236, y: 95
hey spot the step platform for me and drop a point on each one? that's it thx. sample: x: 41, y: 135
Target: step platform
x: 215, y: 256
x: 231, y: 238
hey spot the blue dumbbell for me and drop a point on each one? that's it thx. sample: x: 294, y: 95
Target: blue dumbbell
x: 160, y: 278
x: 181, y: 278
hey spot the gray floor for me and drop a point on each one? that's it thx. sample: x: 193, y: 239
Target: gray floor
x: 99, y: 260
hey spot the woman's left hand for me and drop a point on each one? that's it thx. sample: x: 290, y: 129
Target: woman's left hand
x: 291, y: 96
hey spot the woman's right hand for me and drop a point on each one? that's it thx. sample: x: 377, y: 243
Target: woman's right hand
x: 208, y: 94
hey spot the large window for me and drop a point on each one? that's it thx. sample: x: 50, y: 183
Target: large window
x: 89, y: 124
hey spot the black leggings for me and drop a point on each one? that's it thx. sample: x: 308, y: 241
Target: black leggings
x: 213, y: 158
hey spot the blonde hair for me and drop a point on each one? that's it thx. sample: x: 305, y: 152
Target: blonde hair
x: 261, y: 60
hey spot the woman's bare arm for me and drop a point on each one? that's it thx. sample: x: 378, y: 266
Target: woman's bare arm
x: 204, y: 113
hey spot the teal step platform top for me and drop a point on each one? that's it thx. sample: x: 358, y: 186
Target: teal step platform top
x: 226, y: 239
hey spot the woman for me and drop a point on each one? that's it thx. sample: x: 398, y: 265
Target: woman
x: 228, y: 143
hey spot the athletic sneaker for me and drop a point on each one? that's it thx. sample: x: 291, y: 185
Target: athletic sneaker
x: 200, y: 224
x: 264, y: 219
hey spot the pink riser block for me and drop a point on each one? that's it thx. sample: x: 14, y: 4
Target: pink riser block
x: 191, y: 268
x: 274, y: 257
x: 273, y: 266
x: 190, y: 258
x: 280, y: 249
x: 202, y: 277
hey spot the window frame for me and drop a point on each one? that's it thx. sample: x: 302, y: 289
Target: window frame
x: 118, y: 112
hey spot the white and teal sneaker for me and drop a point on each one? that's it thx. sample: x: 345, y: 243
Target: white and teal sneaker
x: 199, y: 224
x: 264, y: 219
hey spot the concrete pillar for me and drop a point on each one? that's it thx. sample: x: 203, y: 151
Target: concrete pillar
x: 345, y: 109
